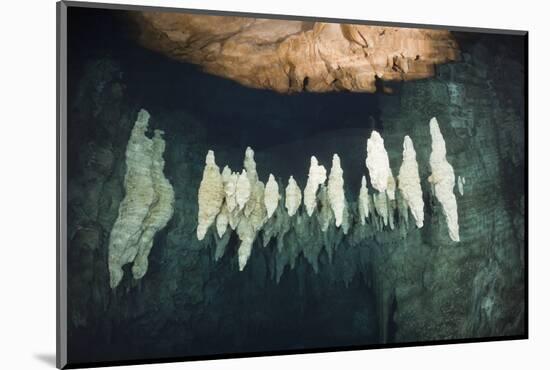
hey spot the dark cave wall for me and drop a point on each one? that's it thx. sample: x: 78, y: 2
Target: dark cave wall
x: 409, y: 285
x: 475, y: 288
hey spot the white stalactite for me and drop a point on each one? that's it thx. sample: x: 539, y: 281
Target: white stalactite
x: 363, y: 202
x: 271, y: 195
x: 243, y: 190
x: 250, y: 165
x: 147, y: 206
x: 378, y: 163
x: 161, y: 210
x: 246, y: 205
x: 211, y: 195
x: 443, y: 180
x: 230, y: 188
x: 293, y: 197
x: 222, y: 220
x: 246, y: 235
x: 335, y: 190
x: 317, y: 176
x: 409, y: 182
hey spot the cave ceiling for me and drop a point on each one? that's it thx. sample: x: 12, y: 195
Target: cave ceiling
x: 290, y: 56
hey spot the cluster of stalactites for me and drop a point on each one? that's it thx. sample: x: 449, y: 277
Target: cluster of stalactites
x: 409, y: 195
x: 241, y: 202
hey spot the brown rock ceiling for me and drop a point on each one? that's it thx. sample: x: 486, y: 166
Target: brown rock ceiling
x: 291, y: 56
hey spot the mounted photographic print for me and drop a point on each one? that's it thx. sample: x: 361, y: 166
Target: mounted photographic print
x: 237, y: 184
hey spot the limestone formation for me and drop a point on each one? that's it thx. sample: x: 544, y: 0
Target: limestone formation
x: 211, y: 194
x: 409, y: 182
x: 364, y: 201
x: 271, y: 195
x: 293, y: 197
x: 443, y: 180
x: 317, y: 176
x: 222, y: 220
x: 258, y: 213
x: 161, y: 210
x: 250, y: 165
x: 381, y: 178
x: 226, y: 173
x: 257, y: 209
x: 230, y: 188
x: 335, y: 190
x: 252, y: 175
x: 246, y: 235
x: 378, y: 163
x: 293, y: 56
x: 147, y: 206
x: 242, y: 193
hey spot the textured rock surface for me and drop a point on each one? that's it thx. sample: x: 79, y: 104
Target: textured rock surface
x: 246, y: 235
x: 291, y: 56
